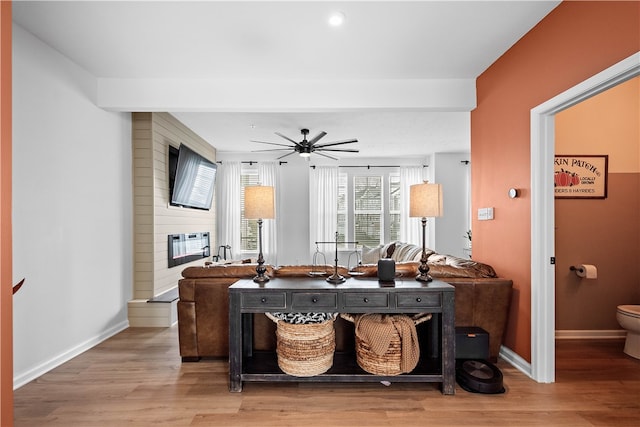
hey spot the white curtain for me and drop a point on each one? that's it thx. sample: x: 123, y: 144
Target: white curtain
x: 228, y: 207
x: 267, y: 175
x: 323, y: 205
x: 410, y: 228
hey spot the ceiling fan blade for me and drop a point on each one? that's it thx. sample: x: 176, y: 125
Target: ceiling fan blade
x: 272, y: 143
x: 337, y: 149
x: 346, y: 141
x: 282, y: 157
x: 317, y: 138
x: 287, y: 138
x: 324, y: 155
x: 271, y: 149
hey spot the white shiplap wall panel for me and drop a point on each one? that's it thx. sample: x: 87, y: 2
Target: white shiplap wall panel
x: 153, y: 133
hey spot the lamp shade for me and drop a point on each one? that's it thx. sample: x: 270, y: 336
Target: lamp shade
x: 259, y: 202
x: 425, y: 200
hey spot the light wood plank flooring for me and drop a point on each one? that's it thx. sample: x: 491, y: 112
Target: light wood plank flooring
x: 137, y: 379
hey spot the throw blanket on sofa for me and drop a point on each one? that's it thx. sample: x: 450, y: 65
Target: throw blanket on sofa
x: 378, y: 330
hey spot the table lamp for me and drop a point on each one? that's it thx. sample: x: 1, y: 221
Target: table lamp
x: 259, y: 204
x: 425, y: 200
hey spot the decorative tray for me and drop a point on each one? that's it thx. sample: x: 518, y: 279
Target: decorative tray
x: 317, y: 273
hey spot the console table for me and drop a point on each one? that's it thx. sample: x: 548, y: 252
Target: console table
x: 355, y: 295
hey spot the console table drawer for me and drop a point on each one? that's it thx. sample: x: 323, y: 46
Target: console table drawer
x: 366, y: 299
x: 270, y: 300
x: 314, y: 301
x: 422, y: 300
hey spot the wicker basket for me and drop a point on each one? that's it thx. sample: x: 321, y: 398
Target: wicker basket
x: 304, y: 350
x: 389, y: 363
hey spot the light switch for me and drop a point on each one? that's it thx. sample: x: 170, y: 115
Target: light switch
x: 485, y: 214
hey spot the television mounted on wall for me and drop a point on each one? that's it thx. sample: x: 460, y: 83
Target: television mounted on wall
x: 192, y: 179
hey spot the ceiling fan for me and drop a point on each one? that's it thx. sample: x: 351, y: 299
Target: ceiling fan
x: 305, y: 148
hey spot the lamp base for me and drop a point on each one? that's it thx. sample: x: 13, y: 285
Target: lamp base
x: 336, y: 278
x: 424, y: 278
x: 261, y: 279
x: 424, y: 268
x: 261, y: 270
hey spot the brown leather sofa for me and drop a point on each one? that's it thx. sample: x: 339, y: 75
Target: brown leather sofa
x: 482, y: 299
x: 203, y: 309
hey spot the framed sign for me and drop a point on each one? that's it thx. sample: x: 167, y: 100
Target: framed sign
x: 580, y: 177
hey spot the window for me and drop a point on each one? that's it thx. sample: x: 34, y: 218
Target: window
x: 369, y: 207
x: 248, y: 227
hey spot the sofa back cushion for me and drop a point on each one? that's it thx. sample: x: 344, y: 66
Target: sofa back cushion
x: 238, y: 271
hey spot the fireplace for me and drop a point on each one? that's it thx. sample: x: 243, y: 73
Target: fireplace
x: 183, y: 248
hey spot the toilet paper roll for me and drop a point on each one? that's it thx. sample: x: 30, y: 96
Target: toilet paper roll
x: 587, y: 271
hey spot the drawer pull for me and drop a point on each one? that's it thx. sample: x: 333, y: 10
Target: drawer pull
x: 366, y: 300
x: 418, y: 299
x: 263, y: 299
x: 314, y: 299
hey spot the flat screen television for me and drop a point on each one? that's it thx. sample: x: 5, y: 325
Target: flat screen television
x: 192, y: 179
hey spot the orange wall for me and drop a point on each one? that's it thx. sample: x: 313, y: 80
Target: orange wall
x: 6, y: 299
x: 574, y: 42
x: 604, y: 232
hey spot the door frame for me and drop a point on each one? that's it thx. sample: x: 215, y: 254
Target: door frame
x: 542, y: 209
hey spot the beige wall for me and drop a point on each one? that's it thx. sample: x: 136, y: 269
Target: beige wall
x: 603, y: 232
x: 154, y: 219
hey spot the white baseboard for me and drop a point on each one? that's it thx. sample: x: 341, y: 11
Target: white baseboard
x: 584, y: 334
x: 525, y: 367
x: 43, y: 368
x: 516, y: 361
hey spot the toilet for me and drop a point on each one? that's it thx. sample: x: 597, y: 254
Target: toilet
x: 629, y: 318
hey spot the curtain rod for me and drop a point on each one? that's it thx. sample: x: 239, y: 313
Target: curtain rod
x: 251, y: 162
x: 368, y: 166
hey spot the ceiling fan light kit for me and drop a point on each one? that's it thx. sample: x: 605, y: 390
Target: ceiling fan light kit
x: 307, y: 147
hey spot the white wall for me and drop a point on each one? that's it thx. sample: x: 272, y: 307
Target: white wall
x: 72, y: 211
x: 293, y: 212
x: 450, y: 171
x: 445, y: 235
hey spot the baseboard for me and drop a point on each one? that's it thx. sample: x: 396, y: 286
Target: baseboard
x: 516, y: 361
x: 20, y: 380
x: 584, y: 334
x: 523, y: 366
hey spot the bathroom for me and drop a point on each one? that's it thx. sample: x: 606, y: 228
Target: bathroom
x: 603, y: 232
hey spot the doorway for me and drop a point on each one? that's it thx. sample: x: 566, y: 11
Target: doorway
x: 542, y: 210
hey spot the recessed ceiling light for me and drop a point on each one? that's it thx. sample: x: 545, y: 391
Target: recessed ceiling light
x: 336, y: 19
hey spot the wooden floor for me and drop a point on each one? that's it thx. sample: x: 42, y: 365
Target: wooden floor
x: 137, y: 379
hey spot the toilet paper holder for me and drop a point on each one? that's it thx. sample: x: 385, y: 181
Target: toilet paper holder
x: 576, y: 269
x: 585, y: 271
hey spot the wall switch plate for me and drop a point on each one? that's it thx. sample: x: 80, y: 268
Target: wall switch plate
x: 485, y: 214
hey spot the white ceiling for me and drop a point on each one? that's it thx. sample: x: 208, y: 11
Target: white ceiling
x: 246, y: 41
